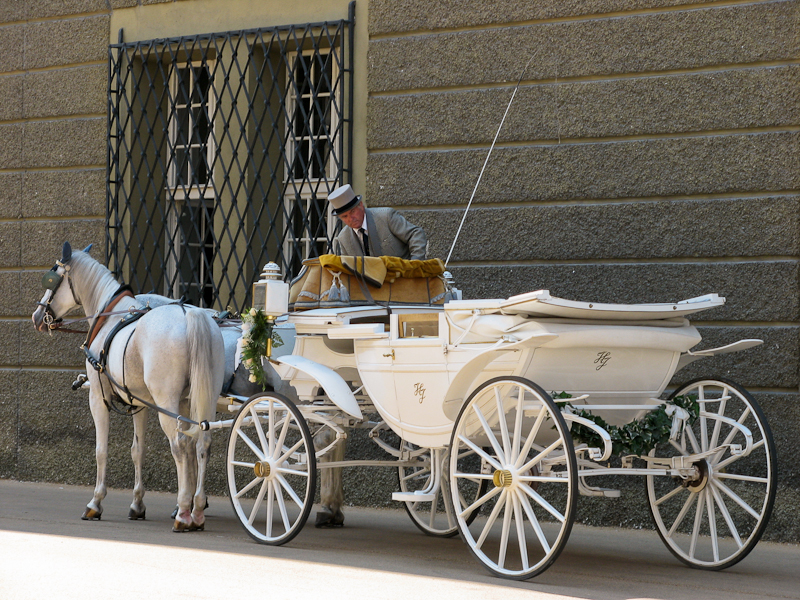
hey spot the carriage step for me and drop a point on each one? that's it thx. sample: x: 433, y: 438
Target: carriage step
x: 413, y: 497
x: 588, y: 490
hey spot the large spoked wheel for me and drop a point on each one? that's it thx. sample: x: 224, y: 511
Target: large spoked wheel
x: 436, y: 518
x: 525, y: 517
x: 715, y: 519
x: 272, y: 473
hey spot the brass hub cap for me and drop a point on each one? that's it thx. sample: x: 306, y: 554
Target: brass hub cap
x: 502, y: 478
x: 261, y: 469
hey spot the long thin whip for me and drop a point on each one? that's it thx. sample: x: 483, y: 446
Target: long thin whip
x: 477, y: 183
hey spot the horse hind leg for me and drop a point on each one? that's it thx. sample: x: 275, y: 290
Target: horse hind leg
x: 94, y: 508
x: 203, y: 446
x: 331, y: 488
x: 138, y: 509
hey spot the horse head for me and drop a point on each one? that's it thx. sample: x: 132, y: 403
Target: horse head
x: 58, y: 299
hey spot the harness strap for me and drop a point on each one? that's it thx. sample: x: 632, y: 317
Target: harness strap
x: 124, y: 291
x: 99, y: 365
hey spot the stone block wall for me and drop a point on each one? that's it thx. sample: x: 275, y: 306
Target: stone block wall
x: 651, y: 154
x: 53, y: 105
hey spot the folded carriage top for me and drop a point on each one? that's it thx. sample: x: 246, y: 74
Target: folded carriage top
x: 541, y: 304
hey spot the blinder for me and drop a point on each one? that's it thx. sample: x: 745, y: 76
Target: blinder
x: 52, y: 279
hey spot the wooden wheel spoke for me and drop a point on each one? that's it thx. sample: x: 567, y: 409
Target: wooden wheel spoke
x: 289, y: 490
x: 257, y: 503
x: 247, y: 488
x: 508, y: 513
x: 727, y: 516
x: 537, y: 424
x: 480, y: 502
x: 282, y: 508
x: 537, y: 527
x: 282, y: 436
x: 735, y: 497
x: 675, y: 491
x: 543, y: 503
x: 492, y: 518
x: 489, y: 433
x: 270, y: 507
x: 539, y: 457
x: 698, y: 518
x: 251, y: 444
x: 712, y: 522
x: 681, y: 515
x: 288, y: 452
x: 256, y: 420
x: 501, y: 418
x: 480, y: 452
x: 520, y: 523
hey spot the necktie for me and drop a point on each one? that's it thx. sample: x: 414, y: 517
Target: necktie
x: 364, y: 241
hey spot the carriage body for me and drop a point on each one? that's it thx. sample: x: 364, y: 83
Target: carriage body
x: 418, y: 365
x: 468, y: 388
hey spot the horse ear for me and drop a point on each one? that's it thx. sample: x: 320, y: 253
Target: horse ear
x: 66, y: 252
x: 89, y: 247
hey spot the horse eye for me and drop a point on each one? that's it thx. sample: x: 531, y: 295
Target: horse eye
x: 51, y: 280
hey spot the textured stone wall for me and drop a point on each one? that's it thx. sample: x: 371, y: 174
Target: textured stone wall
x: 53, y: 83
x: 652, y: 153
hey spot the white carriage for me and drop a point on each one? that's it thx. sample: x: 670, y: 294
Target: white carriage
x: 467, y: 411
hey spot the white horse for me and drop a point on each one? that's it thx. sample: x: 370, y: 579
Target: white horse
x: 172, y: 358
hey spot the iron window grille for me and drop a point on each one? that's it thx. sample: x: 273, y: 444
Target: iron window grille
x: 222, y: 149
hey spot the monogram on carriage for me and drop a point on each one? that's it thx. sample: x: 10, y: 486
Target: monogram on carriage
x: 496, y: 413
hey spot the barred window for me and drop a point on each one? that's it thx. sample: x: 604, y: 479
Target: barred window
x: 222, y: 151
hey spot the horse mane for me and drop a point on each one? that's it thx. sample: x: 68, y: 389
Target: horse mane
x: 95, y: 282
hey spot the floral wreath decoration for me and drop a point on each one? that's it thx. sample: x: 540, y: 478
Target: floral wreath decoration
x: 258, y: 334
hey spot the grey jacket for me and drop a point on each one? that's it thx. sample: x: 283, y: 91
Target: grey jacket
x: 390, y: 234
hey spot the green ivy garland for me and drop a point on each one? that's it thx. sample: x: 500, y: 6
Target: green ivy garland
x: 637, y: 437
x: 257, y: 330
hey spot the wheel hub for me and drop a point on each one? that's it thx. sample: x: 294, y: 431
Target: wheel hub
x: 699, y: 483
x: 262, y: 469
x: 502, y: 478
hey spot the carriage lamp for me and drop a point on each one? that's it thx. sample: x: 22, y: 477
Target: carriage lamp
x: 271, y: 295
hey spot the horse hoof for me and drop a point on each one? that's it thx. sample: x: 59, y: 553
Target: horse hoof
x: 91, y: 514
x: 181, y: 527
x: 196, y: 527
x: 135, y: 515
x: 328, y: 519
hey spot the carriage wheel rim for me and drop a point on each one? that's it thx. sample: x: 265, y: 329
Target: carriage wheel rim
x: 722, y: 495
x: 516, y: 497
x: 271, y: 468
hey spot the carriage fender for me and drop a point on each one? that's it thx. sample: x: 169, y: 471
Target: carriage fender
x: 335, y: 387
x: 463, y: 381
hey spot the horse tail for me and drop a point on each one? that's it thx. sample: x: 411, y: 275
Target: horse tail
x: 206, y: 364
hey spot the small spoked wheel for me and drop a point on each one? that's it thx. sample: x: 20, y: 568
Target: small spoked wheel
x: 436, y: 517
x: 272, y: 473
x: 526, y: 511
x: 713, y: 518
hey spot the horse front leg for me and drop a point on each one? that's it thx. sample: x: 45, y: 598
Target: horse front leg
x: 331, y: 488
x: 137, y: 510
x: 94, y: 509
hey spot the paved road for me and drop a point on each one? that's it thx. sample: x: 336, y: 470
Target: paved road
x: 47, y: 552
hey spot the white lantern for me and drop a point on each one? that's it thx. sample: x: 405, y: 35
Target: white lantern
x: 271, y: 293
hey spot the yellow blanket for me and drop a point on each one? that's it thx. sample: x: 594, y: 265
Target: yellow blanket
x: 379, y: 269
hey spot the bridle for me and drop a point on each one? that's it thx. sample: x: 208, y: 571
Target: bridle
x: 51, y: 281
